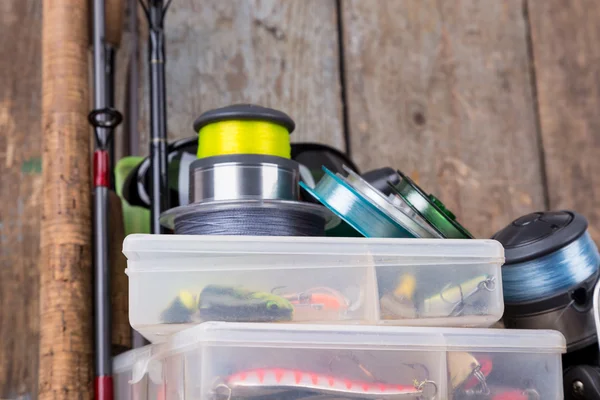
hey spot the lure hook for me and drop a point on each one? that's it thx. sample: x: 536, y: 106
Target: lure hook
x: 427, y: 383
x: 422, y: 366
x: 485, y: 390
x: 488, y: 284
x: 223, y: 386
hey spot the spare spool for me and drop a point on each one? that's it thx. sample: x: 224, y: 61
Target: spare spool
x: 243, y: 177
x: 549, y: 276
x: 243, y: 182
x: 364, y: 208
x: 244, y: 129
x: 428, y: 207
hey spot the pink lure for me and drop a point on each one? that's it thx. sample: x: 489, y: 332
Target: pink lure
x: 258, y: 382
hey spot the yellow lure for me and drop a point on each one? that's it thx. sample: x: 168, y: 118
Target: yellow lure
x: 243, y: 137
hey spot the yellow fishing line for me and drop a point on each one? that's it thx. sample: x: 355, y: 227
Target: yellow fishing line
x: 243, y: 137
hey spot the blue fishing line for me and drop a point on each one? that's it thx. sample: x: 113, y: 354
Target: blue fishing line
x: 349, y: 205
x: 551, y: 274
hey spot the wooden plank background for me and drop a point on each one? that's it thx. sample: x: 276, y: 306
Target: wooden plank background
x: 492, y: 107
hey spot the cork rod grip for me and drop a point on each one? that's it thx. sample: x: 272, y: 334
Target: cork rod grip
x: 65, y: 363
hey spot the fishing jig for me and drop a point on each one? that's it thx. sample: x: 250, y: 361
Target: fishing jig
x: 259, y: 383
x: 453, y: 299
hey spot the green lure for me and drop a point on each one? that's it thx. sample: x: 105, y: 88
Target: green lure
x: 225, y: 303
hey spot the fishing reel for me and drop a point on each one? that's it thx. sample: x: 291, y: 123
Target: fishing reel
x: 551, y: 268
x: 550, y: 281
x: 182, y: 153
x: 244, y: 181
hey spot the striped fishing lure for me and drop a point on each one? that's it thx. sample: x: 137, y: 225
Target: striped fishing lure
x: 260, y: 383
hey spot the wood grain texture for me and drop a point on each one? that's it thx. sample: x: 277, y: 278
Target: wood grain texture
x: 65, y: 364
x: 276, y: 53
x: 565, y: 37
x: 20, y: 195
x: 442, y: 91
x: 121, y: 330
x: 115, y: 21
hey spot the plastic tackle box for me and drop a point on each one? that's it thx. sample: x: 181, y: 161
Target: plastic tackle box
x: 176, y: 281
x: 227, y: 361
x: 133, y: 377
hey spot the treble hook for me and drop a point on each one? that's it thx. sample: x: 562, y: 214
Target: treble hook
x: 488, y: 284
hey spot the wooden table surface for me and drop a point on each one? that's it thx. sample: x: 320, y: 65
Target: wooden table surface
x: 491, y: 106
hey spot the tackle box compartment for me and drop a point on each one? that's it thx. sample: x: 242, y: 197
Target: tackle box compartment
x: 224, y: 361
x: 176, y: 281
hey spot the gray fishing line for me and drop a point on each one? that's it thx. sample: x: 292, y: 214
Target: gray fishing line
x: 251, y: 221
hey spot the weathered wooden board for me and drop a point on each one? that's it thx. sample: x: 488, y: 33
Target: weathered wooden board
x: 276, y: 53
x: 20, y: 195
x: 565, y: 37
x: 442, y: 91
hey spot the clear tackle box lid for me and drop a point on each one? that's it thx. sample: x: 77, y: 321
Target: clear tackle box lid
x: 342, y: 252
x: 364, y: 337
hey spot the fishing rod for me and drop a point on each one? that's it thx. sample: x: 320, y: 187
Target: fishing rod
x: 121, y: 330
x: 104, y: 119
x: 132, y: 144
x: 155, y: 11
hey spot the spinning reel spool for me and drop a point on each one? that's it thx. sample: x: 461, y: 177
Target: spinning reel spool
x: 243, y: 182
x: 429, y: 208
x: 390, y: 205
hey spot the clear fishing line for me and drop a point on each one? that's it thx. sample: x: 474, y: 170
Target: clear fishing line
x: 411, y: 221
x: 350, y: 205
x: 551, y: 274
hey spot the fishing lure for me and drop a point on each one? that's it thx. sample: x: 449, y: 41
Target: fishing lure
x: 399, y: 304
x: 261, y: 383
x: 230, y: 304
x: 225, y: 303
x: 453, y: 299
x: 320, y: 298
x: 468, y: 372
x: 181, y: 309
